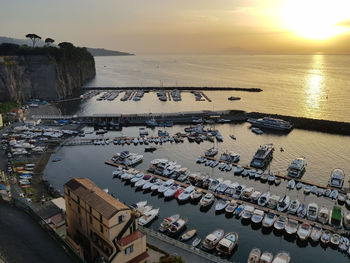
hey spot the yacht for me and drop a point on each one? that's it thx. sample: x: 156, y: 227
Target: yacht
x: 211, y: 240
x: 271, y: 123
x: 312, y: 211
x: 167, y: 222
x: 263, y: 156
x: 133, y: 159
x: 227, y: 244
x: 297, y: 168
x: 304, y: 231
x: 337, y: 178
x: 207, y: 200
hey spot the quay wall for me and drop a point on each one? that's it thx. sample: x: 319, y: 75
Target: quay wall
x: 155, y: 88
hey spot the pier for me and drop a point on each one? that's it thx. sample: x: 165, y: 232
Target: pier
x: 188, y: 88
x: 265, y: 209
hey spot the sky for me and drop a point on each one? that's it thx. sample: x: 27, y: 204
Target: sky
x: 185, y: 26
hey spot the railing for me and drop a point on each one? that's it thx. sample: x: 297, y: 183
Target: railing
x: 182, y: 245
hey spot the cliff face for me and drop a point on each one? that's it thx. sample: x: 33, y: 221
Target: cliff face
x: 49, y: 77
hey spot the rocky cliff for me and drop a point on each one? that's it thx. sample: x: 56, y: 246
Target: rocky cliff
x: 49, y: 73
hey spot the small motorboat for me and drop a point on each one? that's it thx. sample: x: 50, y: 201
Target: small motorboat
x: 247, y: 193
x: 247, y: 212
x: 165, y: 186
x: 316, y: 233
x: 257, y: 130
x: 188, y: 235
x: 335, y: 239
x: 230, y: 208
x: 238, y: 191
x: 196, y: 242
x: 307, y: 189
x: 221, y: 205
x: 277, y: 181
x: 291, y: 184
x: 334, y: 194
x: 238, y: 170
x: 171, y: 191
x: 269, y: 219
x: 211, y: 240
x: 156, y: 185
x: 264, y: 177
x: 264, y: 199
x: 326, y: 237
x: 283, y: 203
x: 280, y: 223
x: 148, y: 217
x: 167, y: 222
x: 341, y: 199
x: 301, y: 211
x: 233, y: 137
x: 271, y: 179
x: 196, y: 195
x: 177, y: 226
x: 304, y: 231
x: 273, y: 201
x: 266, y: 257
x: 292, y: 226
x: 293, y: 207
x: 257, y: 216
x: 323, y: 215
x: 211, y: 152
x: 207, y: 200
x: 227, y: 244
x: 282, y: 257
x: 239, y: 210
x: 254, y: 255
x: 255, y: 196
x: 138, y: 205
x: 299, y: 185
x: 178, y: 192
x: 312, y: 211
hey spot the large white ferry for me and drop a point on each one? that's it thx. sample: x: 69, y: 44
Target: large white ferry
x: 271, y: 123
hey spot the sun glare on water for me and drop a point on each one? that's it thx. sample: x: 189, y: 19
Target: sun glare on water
x: 316, y: 19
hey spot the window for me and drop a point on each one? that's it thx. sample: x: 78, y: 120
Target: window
x: 100, y: 218
x: 133, y: 227
x: 101, y: 229
x: 90, y: 219
x: 79, y: 209
x: 78, y: 200
x: 129, y: 250
x: 90, y: 209
x: 68, y: 192
x: 80, y: 221
x: 120, y: 219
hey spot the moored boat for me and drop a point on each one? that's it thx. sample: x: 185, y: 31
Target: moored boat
x: 254, y: 255
x: 280, y: 223
x: 196, y: 242
x: 148, y: 217
x: 227, y: 244
x: 211, y: 240
x: 269, y: 219
x: 316, y: 233
x: 326, y: 237
x: 291, y: 226
x: 188, y: 235
x: 207, y: 200
x: 312, y: 211
x: 168, y: 221
x: 176, y: 227
x: 304, y: 231
x: 282, y: 257
x: 257, y: 216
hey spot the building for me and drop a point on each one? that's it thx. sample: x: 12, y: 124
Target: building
x: 103, y: 226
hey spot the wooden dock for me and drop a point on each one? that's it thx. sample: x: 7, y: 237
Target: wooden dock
x: 265, y: 209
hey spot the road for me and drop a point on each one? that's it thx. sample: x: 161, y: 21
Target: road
x: 23, y: 240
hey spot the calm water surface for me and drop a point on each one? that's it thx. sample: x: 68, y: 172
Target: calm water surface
x: 323, y: 152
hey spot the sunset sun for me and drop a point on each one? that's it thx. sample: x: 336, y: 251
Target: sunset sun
x: 314, y: 19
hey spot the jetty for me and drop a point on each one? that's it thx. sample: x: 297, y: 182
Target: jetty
x: 188, y: 88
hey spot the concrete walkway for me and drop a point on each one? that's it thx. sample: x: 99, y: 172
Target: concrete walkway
x: 23, y: 240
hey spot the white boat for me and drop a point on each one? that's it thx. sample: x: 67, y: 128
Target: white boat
x: 271, y: 123
x: 291, y: 184
x: 326, y: 237
x: 264, y: 199
x: 335, y: 239
x: 185, y: 195
x: 157, y: 184
x: 291, y: 226
x: 334, y: 194
x: 133, y: 159
x: 257, y: 130
x: 148, y: 185
x: 346, y: 221
x: 147, y: 178
x: 283, y: 203
x: 312, y: 211
x: 211, y: 240
x: 239, y: 210
x: 257, y: 216
x: 254, y: 255
x: 168, y: 221
x: 219, y: 137
x: 293, y: 207
x: 337, y: 178
x: 176, y: 227
x: 138, y: 205
x: 282, y: 257
x: 323, y: 215
x: 299, y: 185
x: 266, y: 257
x: 280, y: 223
x: 238, y: 170
x: 207, y: 200
x: 238, y: 191
x: 269, y: 219
x: 255, y: 196
x: 137, y: 177
x: 227, y: 244
x: 301, y: 211
x: 247, y: 212
x: 316, y: 233
x: 304, y: 231
x: 263, y: 156
x: 188, y: 235
x: 230, y: 208
x: 165, y: 186
x: 171, y: 191
x: 196, y: 242
x: 148, y: 217
x: 221, y: 205
x: 247, y: 193
x: 297, y: 168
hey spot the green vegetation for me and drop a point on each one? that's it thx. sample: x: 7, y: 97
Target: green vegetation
x: 33, y: 37
x: 171, y: 259
x: 5, y: 107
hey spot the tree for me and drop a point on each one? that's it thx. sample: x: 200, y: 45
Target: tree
x: 49, y: 41
x: 66, y: 45
x: 33, y: 37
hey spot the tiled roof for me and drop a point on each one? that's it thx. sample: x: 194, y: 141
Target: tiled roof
x: 130, y: 238
x: 139, y: 258
x: 95, y: 197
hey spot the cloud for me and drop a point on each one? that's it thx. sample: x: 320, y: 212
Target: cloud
x: 345, y: 23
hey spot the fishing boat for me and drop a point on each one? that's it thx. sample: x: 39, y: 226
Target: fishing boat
x: 297, y: 168
x: 221, y: 205
x: 304, y: 231
x: 282, y: 257
x: 263, y: 156
x: 227, y: 244
x: 264, y: 199
x: 176, y: 227
x: 291, y: 226
x: 266, y: 257
x: 185, y: 195
x: 196, y: 242
x: 312, y: 211
x: 257, y: 216
x: 207, y: 200
x: 247, y: 212
x: 239, y: 210
x: 167, y: 222
x: 293, y: 207
x: 326, y: 237
x: 316, y: 233
x: 280, y: 222
x: 148, y: 217
x: 283, y: 203
x: 188, y: 235
x: 196, y: 195
x: 269, y: 219
x: 230, y: 208
x: 211, y: 240
x: 254, y: 255
x: 323, y: 215
x: 337, y: 178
